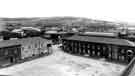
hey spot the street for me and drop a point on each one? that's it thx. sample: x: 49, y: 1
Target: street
x: 63, y: 64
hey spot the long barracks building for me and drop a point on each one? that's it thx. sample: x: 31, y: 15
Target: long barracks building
x: 113, y: 49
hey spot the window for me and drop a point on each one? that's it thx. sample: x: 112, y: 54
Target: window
x: 36, y: 45
x: 22, y: 48
x: 122, y: 51
x: 6, y: 51
x: 88, y: 46
x: 15, y: 51
x: 49, y: 45
x: 29, y: 47
x: 104, y: 48
x: 42, y: 44
x: 93, y: 47
x: 98, y: 47
x: 1, y: 52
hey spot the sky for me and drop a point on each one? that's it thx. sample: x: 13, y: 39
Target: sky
x: 110, y: 10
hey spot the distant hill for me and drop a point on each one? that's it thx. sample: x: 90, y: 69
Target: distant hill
x: 58, y: 21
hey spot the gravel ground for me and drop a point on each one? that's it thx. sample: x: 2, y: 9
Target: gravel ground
x: 62, y: 64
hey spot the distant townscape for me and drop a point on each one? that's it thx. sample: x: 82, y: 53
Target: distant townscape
x: 26, y: 39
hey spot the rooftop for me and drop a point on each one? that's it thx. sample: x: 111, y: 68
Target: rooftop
x: 7, y: 43
x: 113, y: 41
x: 99, y: 34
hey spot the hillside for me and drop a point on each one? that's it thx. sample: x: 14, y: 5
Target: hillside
x: 67, y: 22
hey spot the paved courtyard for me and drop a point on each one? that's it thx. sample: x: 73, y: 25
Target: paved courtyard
x: 63, y: 64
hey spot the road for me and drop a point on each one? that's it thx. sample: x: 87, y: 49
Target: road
x: 63, y: 64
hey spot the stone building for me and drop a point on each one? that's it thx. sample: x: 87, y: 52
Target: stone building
x: 57, y: 36
x: 33, y: 46
x: 112, y: 49
x: 10, y: 52
x: 18, y: 49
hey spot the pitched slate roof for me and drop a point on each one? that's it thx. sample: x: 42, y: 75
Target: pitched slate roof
x: 100, y: 34
x: 131, y: 37
x: 7, y: 43
x: 55, y: 32
x: 114, y: 41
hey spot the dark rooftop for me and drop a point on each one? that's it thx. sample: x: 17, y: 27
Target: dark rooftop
x: 131, y: 36
x: 7, y: 43
x: 58, y: 33
x: 114, y: 41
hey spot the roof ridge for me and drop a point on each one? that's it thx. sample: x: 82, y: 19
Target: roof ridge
x: 105, y: 40
x: 6, y: 43
x: 130, y: 42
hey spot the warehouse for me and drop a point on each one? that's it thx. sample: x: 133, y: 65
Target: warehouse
x: 56, y: 36
x: 100, y: 47
x: 33, y: 46
x: 12, y: 51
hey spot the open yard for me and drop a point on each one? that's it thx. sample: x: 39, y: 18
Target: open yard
x: 63, y: 64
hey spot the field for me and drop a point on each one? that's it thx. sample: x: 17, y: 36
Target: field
x: 63, y: 64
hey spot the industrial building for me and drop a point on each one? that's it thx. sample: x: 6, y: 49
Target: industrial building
x: 57, y: 36
x: 33, y: 46
x: 12, y: 51
x: 113, y: 49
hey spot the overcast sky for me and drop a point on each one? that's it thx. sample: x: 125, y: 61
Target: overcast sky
x: 112, y: 10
